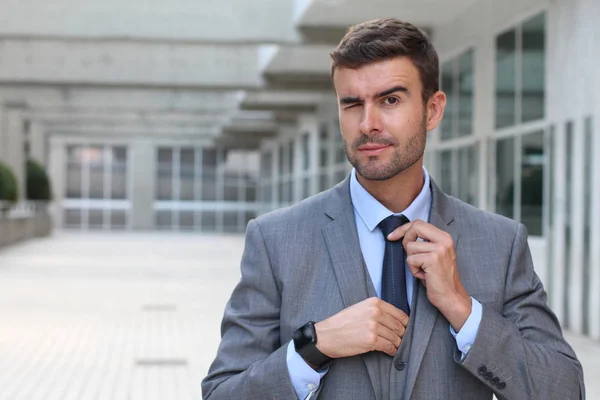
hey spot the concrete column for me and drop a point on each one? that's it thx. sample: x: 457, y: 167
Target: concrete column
x: 143, y: 183
x: 37, y: 141
x: 3, y: 142
x: 15, y: 147
x: 57, y: 171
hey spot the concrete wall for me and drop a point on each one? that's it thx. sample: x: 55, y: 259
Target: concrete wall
x: 16, y: 230
x: 225, y: 20
x: 129, y: 63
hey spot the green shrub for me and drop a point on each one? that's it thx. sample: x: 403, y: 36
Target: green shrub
x: 8, y: 184
x: 38, y: 183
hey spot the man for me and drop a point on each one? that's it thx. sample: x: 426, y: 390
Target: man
x: 384, y: 287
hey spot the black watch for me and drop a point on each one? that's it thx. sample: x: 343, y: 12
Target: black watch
x: 305, y: 341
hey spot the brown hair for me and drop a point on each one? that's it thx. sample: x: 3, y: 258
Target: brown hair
x: 384, y: 39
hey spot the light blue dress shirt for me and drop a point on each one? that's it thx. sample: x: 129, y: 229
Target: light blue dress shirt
x: 368, y: 213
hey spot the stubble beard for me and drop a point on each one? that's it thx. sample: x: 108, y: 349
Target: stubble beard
x: 402, y: 158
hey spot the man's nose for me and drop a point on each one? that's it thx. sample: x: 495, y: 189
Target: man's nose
x: 371, y: 120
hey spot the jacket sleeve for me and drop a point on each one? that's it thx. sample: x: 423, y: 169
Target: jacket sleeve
x: 521, y: 353
x: 251, y: 361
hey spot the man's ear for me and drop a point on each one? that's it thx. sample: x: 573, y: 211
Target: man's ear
x: 435, y: 109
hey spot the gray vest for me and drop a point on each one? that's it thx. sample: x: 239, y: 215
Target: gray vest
x: 392, y: 372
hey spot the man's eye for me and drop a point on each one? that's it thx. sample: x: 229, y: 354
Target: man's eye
x: 391, y: 101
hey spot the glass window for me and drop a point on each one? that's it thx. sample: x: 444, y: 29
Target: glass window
x: 323, y: 182
x: 248, y: 215
x: 281, y: 193
x: 73, y: 218
x: 527, y: 42
x: 305, y: 188
x: 505, y: 177
x: 305, y: 152
x: 289, y: 189
x: 569, y: 137
x: 446, y: 172
x: 465, y: 94
x: 532, y: 182
x: 208, y: 220
x: 267, y: 193
x: 340, y: 176
x: 291, y: 149
x: 506, y: 86
x: 533, y: 68
x: 282, y: 160
x: 118, y: 187
x: 163, y: 219
x: 468, y: 177
x: 187, y: 161
x: 251, y: 193
x: 209, y: 184
x: 340, y: 154
x: 74, y: 173
x: 323, y: 146
x: 95, y: 158
x: 186, y: 220
x: 118, y: 219
x: 230, y: 222
x: 96, y: 219
x: 231, y: 189
x: 266, y: 167
x: 164, y: 183
x: 588, y: 163
x: 447, y: 83
x: 209, y: 158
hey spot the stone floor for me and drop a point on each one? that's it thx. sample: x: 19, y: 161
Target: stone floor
x: 101, y: 316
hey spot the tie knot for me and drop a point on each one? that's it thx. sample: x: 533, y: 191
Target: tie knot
x: 392, y: 222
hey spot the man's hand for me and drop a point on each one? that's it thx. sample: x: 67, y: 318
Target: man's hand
x: 433, y: 261
x: 369, y: 325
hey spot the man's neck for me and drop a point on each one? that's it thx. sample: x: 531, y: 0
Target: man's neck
x: 397, y: 193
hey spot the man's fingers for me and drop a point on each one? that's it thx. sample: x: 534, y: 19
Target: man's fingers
x: 389, y: 335
x: 418, y: 229
x: 385, y: 346
x: 420, y: 247
x: 393, y: 324
x: 396, y: 313
x: 415, y: 264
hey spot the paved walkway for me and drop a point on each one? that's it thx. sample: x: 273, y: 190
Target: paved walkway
x: 125, y: 316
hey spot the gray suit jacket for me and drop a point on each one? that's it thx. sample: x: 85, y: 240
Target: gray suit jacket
x: 304, y: 263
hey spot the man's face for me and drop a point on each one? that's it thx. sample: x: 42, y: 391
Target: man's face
x: 382, y: 117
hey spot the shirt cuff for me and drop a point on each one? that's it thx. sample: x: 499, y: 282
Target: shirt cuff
x: 305, y: 379
x: 466, y: 336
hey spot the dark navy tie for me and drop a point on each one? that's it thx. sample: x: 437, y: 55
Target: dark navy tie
x: 393, y: 280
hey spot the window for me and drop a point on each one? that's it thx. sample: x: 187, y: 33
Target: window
x: 209, y: 189
x: 520, y: 73
x: 96, y: 187
x: 532, y: 182
x: 520, y: 191
x: 588, y: 163
x: 459, y: 176
x: 458, y: 84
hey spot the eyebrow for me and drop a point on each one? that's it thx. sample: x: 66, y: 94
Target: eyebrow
x: 353, y: 100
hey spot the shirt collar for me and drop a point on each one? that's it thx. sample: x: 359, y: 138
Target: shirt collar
x: 372, y: 212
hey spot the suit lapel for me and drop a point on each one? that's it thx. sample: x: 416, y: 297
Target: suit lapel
x: 425, y: 314
x: 341, y: 238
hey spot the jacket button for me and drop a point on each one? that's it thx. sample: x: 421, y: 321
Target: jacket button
x: 495, y: 380
x: 400, y: 365
x: 489, y: 376
x: 501, y: 385
x: 482, y: 370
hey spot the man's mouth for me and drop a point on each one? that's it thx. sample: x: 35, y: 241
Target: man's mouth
x: 372, y: 149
